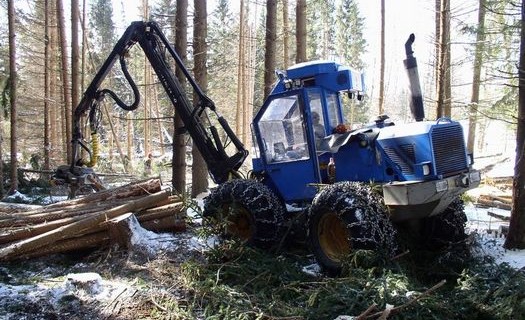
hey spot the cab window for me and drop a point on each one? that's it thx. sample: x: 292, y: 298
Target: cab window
x: 282, y: 130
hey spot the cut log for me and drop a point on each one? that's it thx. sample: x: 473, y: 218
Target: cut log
x: 80, y: 227
x: 135, y: 189
x: 120, y: 230
x: 170, y: 223
x: 14, y: 234
x: 63, y: 212
x: 10, y: 208
x: 173, y: 209
x: 493, y: 203
x: 501, y: 198
x: 90, y: 241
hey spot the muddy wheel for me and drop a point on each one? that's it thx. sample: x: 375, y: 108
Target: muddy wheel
x: 247, y: 210
x: 447, y: 227
x: 345, y: 217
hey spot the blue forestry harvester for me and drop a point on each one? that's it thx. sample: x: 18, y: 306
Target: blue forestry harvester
x: 350, y: 185
x: 307, y: 161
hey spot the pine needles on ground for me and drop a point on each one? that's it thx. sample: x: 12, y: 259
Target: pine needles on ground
x: 240, y: 282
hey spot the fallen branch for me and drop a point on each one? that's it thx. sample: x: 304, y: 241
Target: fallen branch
x: 366, y: 312
x: 411, y: 301
x: 499, y: 216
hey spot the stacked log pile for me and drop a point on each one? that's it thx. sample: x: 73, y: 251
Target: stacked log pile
x: 96, y: 220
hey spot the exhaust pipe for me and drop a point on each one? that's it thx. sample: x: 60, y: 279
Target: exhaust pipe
x: 416, y: 103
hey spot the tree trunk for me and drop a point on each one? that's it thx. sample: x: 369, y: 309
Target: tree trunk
x: 437, y: 46
x: 46, y: 86
x: 382, y: 61
x: 270, y: 46
x: 443, y: 106
x: 241, y: 60
x: 54, y: 117
x: 300, y: 25
x: 448, y: 67
x: 65, y: 80
x: 84, y: 46
x: 199, y: 172
x: 286, y: 37
x: 75, y: 60
x: 478, y: 61
x: 179, y: 143
x: 146, y: 95
x: 516, y: 236
x: 13, y: 94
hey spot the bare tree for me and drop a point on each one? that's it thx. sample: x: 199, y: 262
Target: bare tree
x: 54, y: 117
x: 443, y: 82
x: 47, y: 145
x: 75, y: 52
x: 478, y: 61
x: 300, y: 26
x: 241, y: 71
x: 286, y: 36
x: 199, y: 181
x: 12, y: 93
x: 516, y: 236
x: 65, y: 79
x: 270, y: 45
x: 179, y: 143
x: 382, y: 66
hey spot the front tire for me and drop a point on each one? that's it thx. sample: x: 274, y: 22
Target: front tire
x: 247, y: 210
x: 345, y: 217
x: 447, y: 227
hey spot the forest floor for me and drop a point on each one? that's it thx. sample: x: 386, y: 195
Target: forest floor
x: 185, y: 276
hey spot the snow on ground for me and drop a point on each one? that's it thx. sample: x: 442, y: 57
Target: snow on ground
x: 487, y: 231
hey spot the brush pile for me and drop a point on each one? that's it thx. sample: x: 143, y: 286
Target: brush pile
x: 93, y: 221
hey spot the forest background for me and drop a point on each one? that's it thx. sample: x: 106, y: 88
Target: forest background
x: 468, y: 53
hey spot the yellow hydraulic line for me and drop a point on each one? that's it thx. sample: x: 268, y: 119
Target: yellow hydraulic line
x: 94, y: 150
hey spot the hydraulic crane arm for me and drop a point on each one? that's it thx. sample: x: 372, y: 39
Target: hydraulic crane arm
x: 196, y: 118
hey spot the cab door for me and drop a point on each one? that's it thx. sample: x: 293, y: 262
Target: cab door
x: 283, y: 138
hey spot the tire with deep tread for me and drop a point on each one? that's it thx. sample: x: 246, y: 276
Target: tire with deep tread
x: 447, y: 227
x: 344, y: 217
x: 247, y: 210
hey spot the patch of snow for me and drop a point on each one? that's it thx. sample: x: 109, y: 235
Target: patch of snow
x: 53, y: 199
x: 480, y: 221
x: 490, y: 245
x: 196, y: 213
x: 200, y: 244
x: 17, y: 196
x: 488, y: 235
x: 87, y: 287
x: 90, y: 282
x: 150, y: 242
x: 313, y: 270
x: 293, y: 208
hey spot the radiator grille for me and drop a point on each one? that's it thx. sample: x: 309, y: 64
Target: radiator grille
x: 449, y: 149
x: 401, y: 159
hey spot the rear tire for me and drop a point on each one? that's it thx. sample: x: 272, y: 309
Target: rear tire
x: 345, y: 217
x: 247, y: 210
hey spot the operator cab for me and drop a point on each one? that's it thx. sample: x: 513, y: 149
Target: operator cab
x: 303, y: 108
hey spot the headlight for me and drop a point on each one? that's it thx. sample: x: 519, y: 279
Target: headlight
x: 475, y: 176
x: 426, y: 169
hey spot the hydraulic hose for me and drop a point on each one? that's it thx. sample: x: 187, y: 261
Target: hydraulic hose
x: 94, y: 150
x: 133, y: 85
